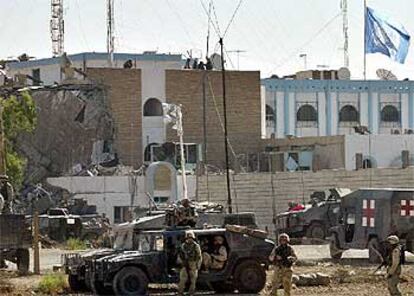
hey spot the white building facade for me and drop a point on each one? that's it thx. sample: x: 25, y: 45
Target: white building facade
x: 303, y: 108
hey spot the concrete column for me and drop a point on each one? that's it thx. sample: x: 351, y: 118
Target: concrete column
x: 404, y: 111
x: 334, y: 113
x: 363, y: 112
x: 322, y: 115
x: 280, y: 115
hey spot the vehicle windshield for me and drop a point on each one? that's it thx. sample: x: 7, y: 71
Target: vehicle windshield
x: 123, y: 240
x: 148, y: 242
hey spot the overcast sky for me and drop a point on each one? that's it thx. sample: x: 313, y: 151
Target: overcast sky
x: 272, y: 32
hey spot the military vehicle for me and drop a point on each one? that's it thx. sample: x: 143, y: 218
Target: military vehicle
x: 315, y: 218
x: 154, y: 259
x: 78, y: 265
x: 15, y: 233
x: 369, y: 216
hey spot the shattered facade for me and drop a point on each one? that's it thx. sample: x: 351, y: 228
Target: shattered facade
x: 74, y: 127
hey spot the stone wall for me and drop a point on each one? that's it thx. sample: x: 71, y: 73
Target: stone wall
x: 253, y: 192
x: 124, y: 96
x: 243, y: 110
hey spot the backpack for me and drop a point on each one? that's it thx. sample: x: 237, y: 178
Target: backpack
x: 402, y: 254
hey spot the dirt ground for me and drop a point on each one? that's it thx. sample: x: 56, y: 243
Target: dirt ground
x: 352, y: 276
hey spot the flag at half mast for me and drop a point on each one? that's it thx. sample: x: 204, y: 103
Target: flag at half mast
x: 385, y: 36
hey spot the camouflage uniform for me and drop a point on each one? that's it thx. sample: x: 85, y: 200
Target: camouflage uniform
x: 190, y: 255
x: 217, y: 259
x: 187, y: 214
x: 283, y: 257
x: 394, y: 266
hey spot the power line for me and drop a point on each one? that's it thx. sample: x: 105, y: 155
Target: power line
x: 311, y: 39
x: 232, y: 17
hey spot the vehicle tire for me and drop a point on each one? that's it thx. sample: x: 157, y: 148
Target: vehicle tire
x: 223, y: 287
x: 374, y: 252
x: 130, y: 280
x: 23, y: 260
x: 334, y: 251
x: 76, y: 285
x: 98, y: 288
x: 249, y: 277
x: 316, y: 230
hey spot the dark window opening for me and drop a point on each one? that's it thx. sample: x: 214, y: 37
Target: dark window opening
x: 367, y: 164
x: 121, y: 214
x: 36, y: 76
x: 153, y: 107
x: 270, y: 116
x: 390, y: 114
x: 348, y: 113
x: 307, y: 113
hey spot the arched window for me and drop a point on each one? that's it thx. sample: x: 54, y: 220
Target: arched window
x: 390, y: 113
x: 270, y: 116
x: 348, y: 113
x: 307, y: 113
x: 153, y: 107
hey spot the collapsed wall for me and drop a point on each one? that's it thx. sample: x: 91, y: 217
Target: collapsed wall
x: 74, y: 128
x: 253, y: 192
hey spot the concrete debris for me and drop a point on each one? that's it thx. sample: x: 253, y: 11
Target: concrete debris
x: 74, y: 129
x: 311, y: 279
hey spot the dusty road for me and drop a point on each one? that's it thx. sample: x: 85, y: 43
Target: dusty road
x: 312, y: 259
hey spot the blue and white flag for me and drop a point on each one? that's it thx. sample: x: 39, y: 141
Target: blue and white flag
x: 384, y: 36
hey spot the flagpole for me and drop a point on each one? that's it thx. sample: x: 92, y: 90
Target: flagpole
x: 365, y: 39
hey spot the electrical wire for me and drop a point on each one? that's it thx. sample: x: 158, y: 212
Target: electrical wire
x: 232, y: 17
x: 310, y: 40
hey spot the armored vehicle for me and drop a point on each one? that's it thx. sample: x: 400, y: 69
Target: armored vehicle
x: 314, y: 219
x: 78, y: 265
x: 15, y: 233
x: 369, y: 216
x: 154, y: 259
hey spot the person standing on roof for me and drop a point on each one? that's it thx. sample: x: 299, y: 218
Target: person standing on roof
x: 283, y: 256
x: 190, y: 256
x: 394, y: 265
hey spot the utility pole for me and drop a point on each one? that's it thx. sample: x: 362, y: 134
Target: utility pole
x: 57, y: 27
x: 110, y: 39
x: 226, y: 144
x: 238, y: 52
x: 344, y: 7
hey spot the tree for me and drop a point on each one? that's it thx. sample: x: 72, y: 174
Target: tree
x: 19, y: 116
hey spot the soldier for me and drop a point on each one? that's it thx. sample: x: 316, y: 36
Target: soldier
x: 283, y: 257
x: 217, y: 259
x: 190, y: 255
x: 186, y: 214
x: 394, y: 265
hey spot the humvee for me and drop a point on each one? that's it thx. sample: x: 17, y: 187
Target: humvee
x: 369, y: 216
x: 315, y: 219
x: 153, y: 259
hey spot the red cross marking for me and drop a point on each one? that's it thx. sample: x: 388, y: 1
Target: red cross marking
x: 368, y: 212
x: 407, y: 208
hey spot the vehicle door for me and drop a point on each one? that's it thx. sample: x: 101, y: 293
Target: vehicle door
x: 402, y: 215
x: 151, y: 245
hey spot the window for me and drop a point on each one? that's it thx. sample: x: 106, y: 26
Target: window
x: 153, y: 107
x: 154, y: 152
x: 307, y: 113
x: 390, y: 113
x: 36, y: 76
x: 121, y: 214
x: 348, y: 113
x: 367, y: 164
x: 270, y: 116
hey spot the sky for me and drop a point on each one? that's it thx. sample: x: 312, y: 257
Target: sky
x: 272, y: 33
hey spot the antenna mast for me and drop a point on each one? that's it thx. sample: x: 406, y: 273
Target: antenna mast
x: 57, y: 27
x: 110, y: 39
x: 344, y: 7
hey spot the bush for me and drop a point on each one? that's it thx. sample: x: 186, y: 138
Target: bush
x: 53, y: 284
x: 75, y: 244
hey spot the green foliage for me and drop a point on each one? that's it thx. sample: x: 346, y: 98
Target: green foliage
x: 75, y: 244
x: 53, y: 284
x: 19, y: 116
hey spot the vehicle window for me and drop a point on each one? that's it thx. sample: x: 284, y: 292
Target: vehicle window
x: 123, y: 241
x: 350, y: 219
x: 150, y: 243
